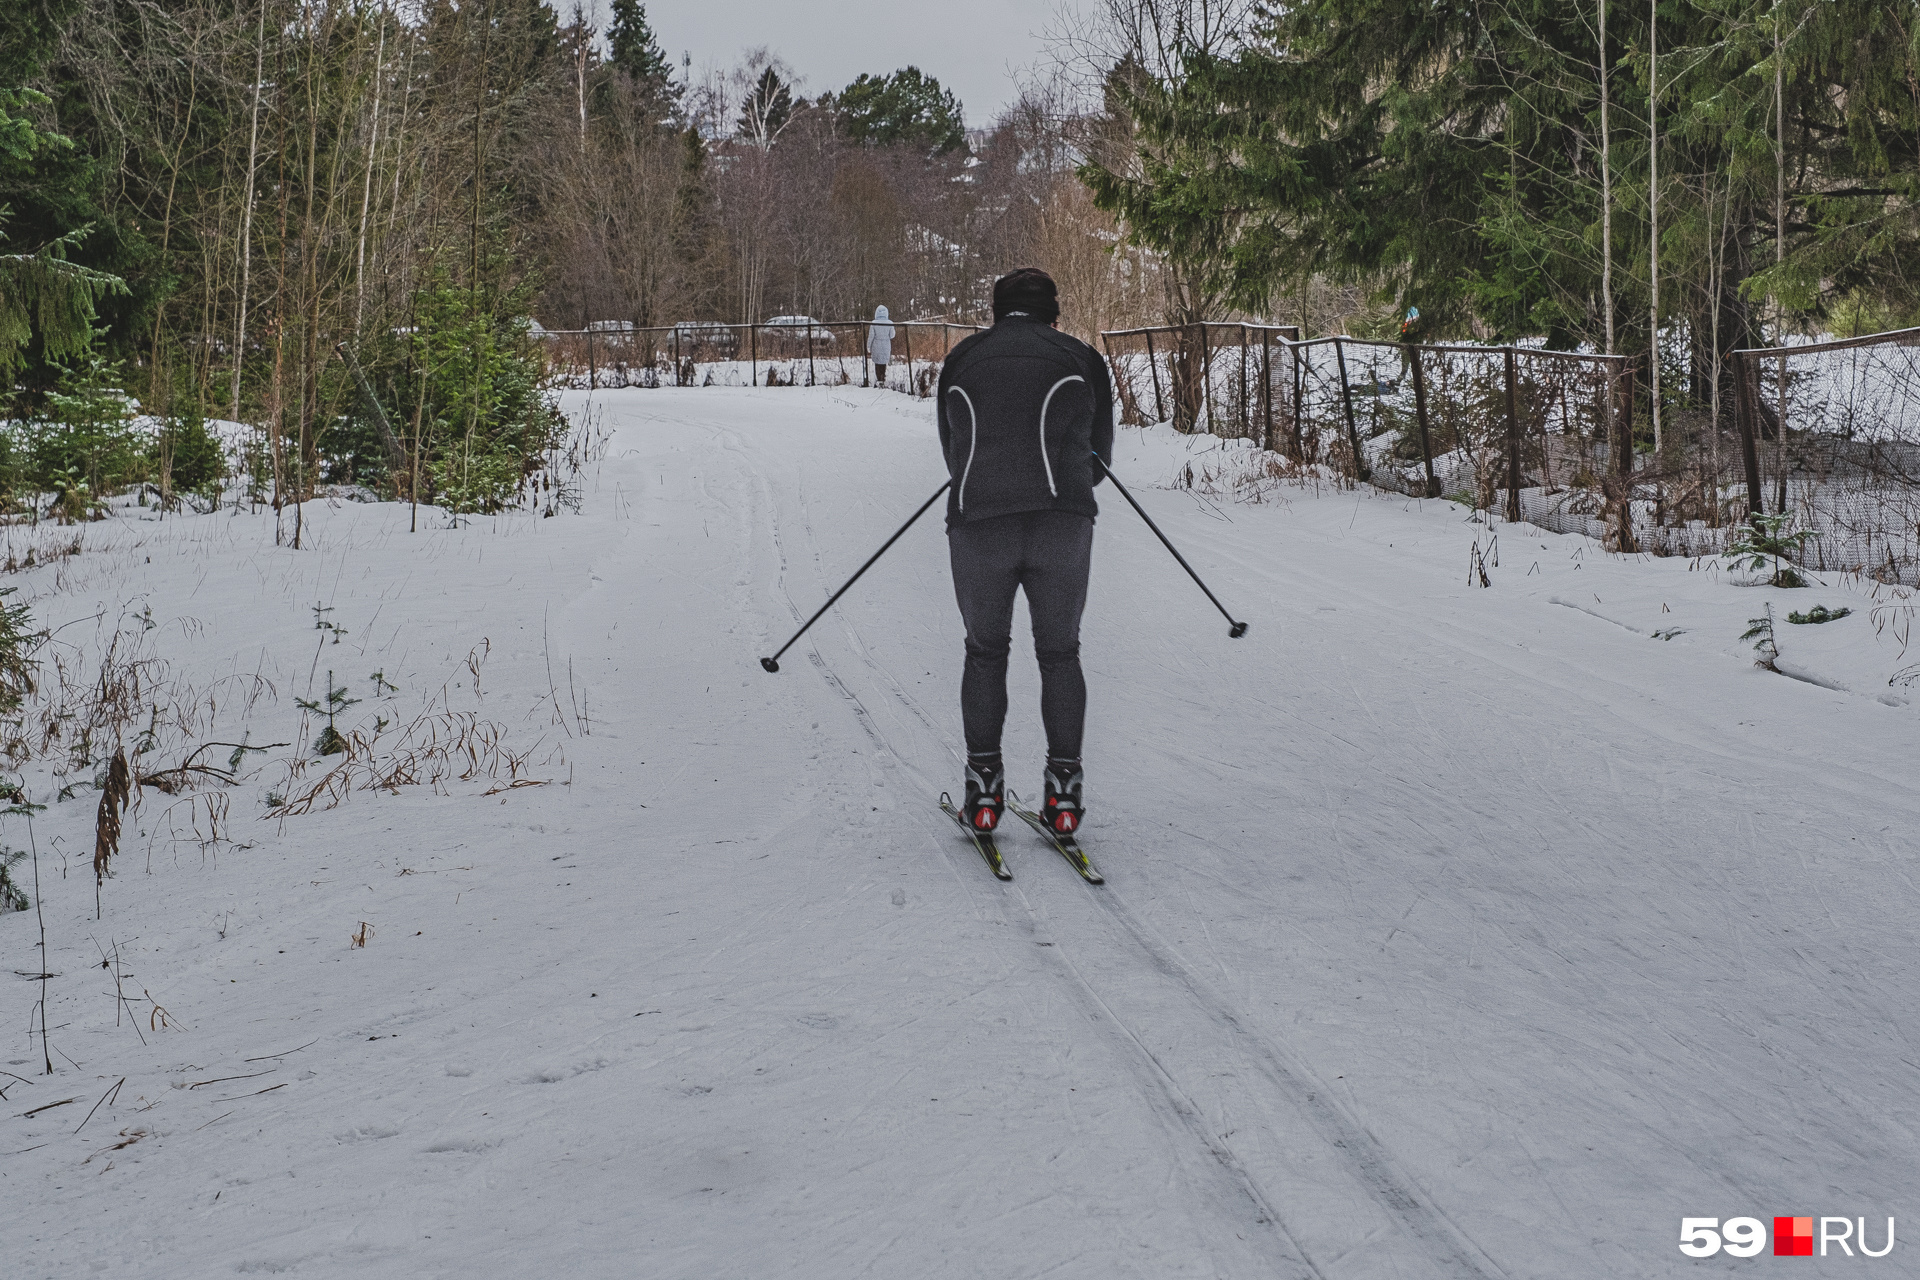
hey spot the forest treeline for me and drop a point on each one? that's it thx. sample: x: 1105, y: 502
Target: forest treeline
x: 338, y: 220
x: 1724, y: 173
x: 344, y: 220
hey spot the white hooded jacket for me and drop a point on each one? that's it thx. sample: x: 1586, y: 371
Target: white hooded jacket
x: 880, y: 338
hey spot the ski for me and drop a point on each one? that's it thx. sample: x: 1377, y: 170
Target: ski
x: 1067, y: 846
x: 982, y: 840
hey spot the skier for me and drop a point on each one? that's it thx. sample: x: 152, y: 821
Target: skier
x: 1023, y: 409
x: 880, y: 344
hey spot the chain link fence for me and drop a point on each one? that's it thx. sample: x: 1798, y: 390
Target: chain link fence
x: 696, y: 353
x: 1829, y: 436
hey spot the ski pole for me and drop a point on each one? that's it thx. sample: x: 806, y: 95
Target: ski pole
x: 1237, y: 629
x: 773, y: 663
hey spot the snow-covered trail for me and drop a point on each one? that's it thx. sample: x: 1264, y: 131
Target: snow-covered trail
x: 1633, y: 918
x: 1448, y: 931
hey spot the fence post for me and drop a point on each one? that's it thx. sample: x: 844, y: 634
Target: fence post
x: 906, y: 340
x: 753, y: 353
x: 1266, y: 390
x: 1206, y: 380
x: 1246, y: 407
x: 1122, y: 387
x: 1513, y: 441
x: 593, y: 373
x: 1420, y: 415
x: 1779, y: 432
x: 1743, y: 416
x: 811, y: 380
x: 1153, y: 367
x: 676, y: 357
x: 1299, y: 402
x: 1360, y: 468
x: 1623, y: 469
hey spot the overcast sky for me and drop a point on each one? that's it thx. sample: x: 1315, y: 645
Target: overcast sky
x: 973, y: 47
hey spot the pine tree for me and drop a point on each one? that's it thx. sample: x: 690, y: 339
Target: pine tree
x: 906, y: 108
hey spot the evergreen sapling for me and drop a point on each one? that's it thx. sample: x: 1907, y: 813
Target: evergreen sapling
x: 330, y: 742
x: 1760, y: 631
x: 1767, y: 541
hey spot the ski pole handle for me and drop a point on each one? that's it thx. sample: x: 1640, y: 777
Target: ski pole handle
x: 773, y: 664
x: 1236, y: 629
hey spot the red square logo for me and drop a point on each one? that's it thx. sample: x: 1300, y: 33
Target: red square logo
x: 1793, y: 1237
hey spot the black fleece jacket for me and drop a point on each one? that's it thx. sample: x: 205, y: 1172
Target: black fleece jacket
x: 1022, y: 408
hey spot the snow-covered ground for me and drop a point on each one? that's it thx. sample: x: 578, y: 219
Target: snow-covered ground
x: 1449, y: 930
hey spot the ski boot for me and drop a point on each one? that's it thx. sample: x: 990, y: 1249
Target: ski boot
x: 1063, y: 808
x: 986, y: 792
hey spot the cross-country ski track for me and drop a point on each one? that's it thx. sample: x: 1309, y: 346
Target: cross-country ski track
x: 1448, y: 931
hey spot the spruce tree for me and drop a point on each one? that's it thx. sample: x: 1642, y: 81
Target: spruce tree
x: 1450, y: 157
x: 47, y: 208
x: 767, y: 110
x: 634, y: 49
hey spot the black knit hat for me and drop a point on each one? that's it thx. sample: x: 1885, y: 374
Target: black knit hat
x: 1027, y: 289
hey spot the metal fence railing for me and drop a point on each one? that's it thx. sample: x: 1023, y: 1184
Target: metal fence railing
x: 704, y: 353
x: 1826, y: 432
x: 1535, y: 433
x: 1220, y: 378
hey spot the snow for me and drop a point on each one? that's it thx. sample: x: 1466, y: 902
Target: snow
x: 1449, y: 930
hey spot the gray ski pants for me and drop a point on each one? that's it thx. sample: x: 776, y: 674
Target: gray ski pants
x: 1047, y: 554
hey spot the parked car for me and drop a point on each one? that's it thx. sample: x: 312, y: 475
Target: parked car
x: 797, y: 330
x: 611, y: 334
x: 705, y: 339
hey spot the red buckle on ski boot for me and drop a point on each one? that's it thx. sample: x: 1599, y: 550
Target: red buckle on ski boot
x: 1064, y: 785
x: 986, y: 793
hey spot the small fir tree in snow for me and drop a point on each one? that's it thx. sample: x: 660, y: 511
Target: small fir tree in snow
x: 330, y: 742
x: 11, y: 896
x: 1767, y: 540
x: 17, y: 667
x: 1760, y: 631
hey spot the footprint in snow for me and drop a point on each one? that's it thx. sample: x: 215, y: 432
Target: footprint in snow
x: 461, y: 1146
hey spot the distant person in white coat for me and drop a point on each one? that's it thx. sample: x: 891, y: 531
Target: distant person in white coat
x: 880, y: 345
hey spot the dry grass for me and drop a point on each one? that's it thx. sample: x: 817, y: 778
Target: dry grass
x: 106, y: 831
x: 205, y: 821
x: 439, y: 747
x: 37, y: 555
x: 1246, y: 475
x: 84, y: 706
